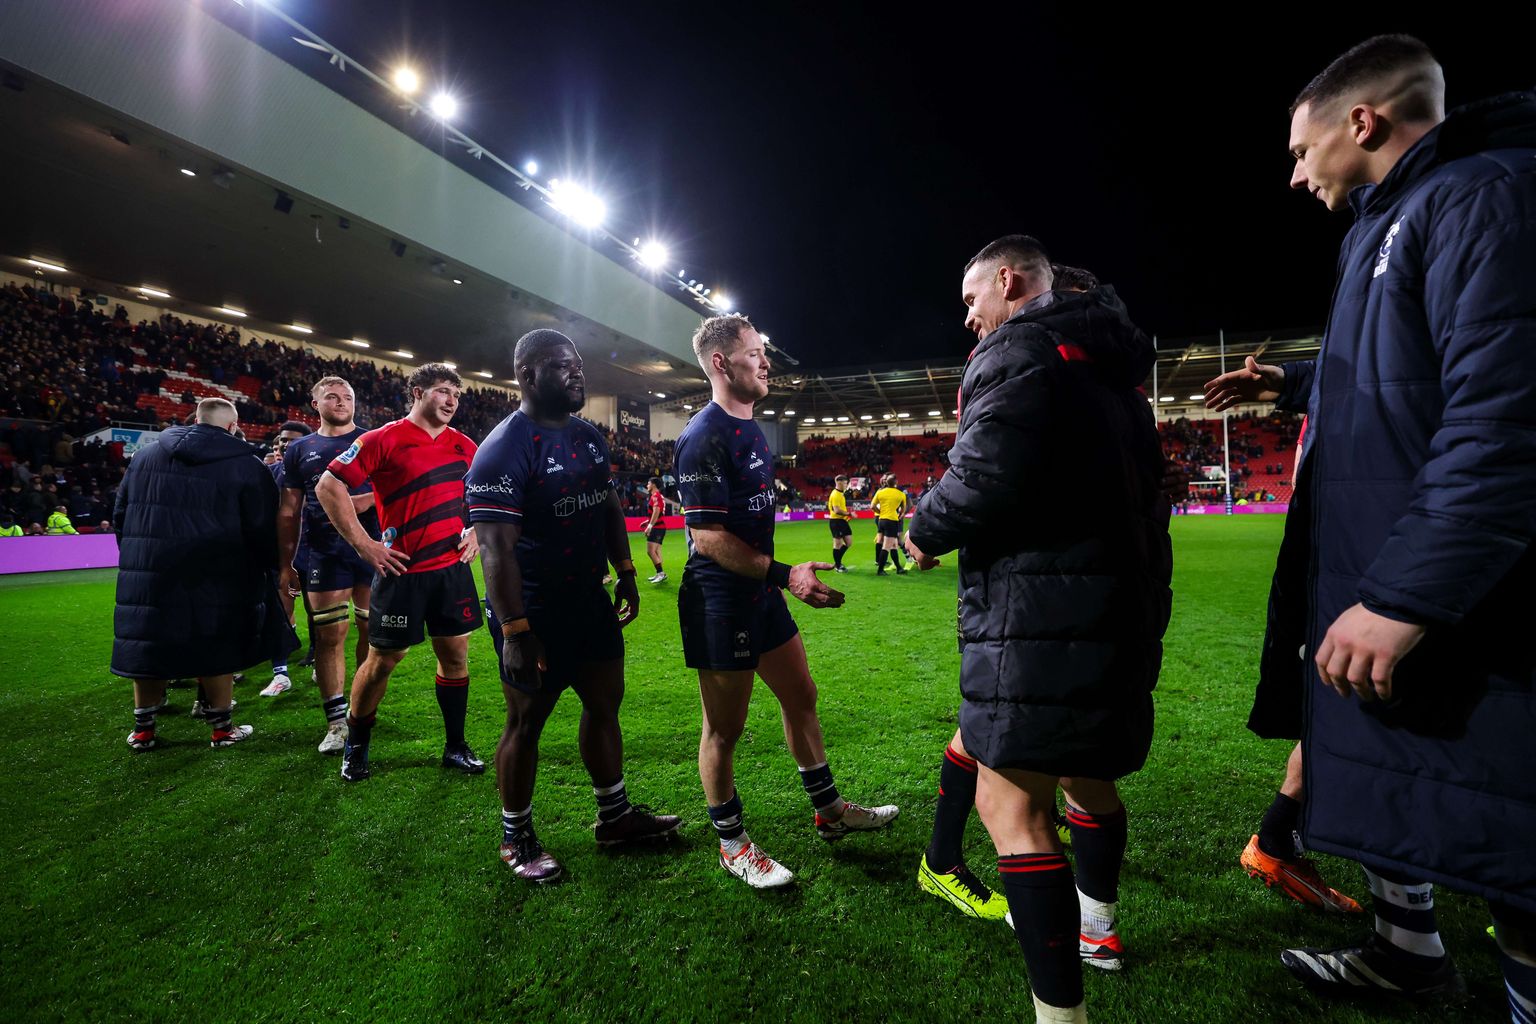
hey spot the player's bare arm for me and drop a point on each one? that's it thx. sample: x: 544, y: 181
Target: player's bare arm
x: 337, y: 501
x: 735, y: 555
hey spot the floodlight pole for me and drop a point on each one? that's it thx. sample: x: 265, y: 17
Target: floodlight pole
x: 1226, y: 444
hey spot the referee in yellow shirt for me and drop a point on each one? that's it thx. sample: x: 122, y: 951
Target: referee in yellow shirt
x: 841, y: 522
x: 890, y: 505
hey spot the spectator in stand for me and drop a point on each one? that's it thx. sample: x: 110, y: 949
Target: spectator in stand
x: 59, y: 524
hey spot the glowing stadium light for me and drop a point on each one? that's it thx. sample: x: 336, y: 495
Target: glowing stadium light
x: 1196, y: 398
x: 842, y: 419
x: 886, y: 416
x: 934, y: 412
x: 231, y: 311
x: 451, y: 366
x: 903, y: 415
x: 1165, y: 398
x: 45, y: 265
x: 458, y: 280
x: 159, y: 293
x: 827, y: 419
x: 723, y: 304
x: 795, y: 381
x: 403, y: 354
x: 660, y: 395
x: 577, y: 203
x: 789, y: 412
x: 444, y: 107
x: 764, y: 336
x: 301, y: 329
x: 359, y: 342
x: 407, y: 80
x: 483, y: 373
x: 866, y: 416
x: 531, y: 168
x: 690, y: 408
x: 767, y: 412
x: 189, y: 172
x: 653, y: 255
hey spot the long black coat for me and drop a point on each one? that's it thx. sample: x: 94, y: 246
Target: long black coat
x: 196, y: 523
x: 1063, y: 600
x: 1418, y: 481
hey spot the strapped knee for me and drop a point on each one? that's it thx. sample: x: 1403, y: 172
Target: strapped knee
x: 328, y: 616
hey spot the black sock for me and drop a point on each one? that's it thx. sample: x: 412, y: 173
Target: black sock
x: 837, y: 556
x: 957, y: 795
x: 219, y: 720
x: 727, y: 819
x: 820, y: 788
x: 515, y: 823
x: 657, y: 564
x: 335, y: 708
x: 453, y: 701
x: 360, y: 731
x: 1405, y: 920
x: 1043, y: 901
x: 880, y: 558
x: 878, y: 548
x: 1277, y: 832
x: 612, y: 800
x: 1098, y: 846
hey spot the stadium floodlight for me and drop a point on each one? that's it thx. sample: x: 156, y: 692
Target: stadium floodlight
x: 444, y: 107
x: 690, y: 408
x: 764, y: 336
x: 768, y: 412
x: 231, y: 311
x: 934, y: 412
x: 359, y: 342
x: 652, y: 255
x: 1196, y: 398
x: 886, y: 416
x: 577, y: 203
x: 1165, y: 398
x: 903, y: 415
x: 842, y: 419
x: 483, y: 373
x: 45, y: 265
x: 866, y: 416
x: 403, y: 354
x: 531, y: 168
x: 458, y: 280
x: 795, y: 380
x: 828, y: 419
x: 723, y: 304
x: 301, y: 328
x: 451, y: 366
x: 789, y: 412
x: 660, y: 395
x: 159, y: 293
x: 407, y: 80
x: 189, y: 172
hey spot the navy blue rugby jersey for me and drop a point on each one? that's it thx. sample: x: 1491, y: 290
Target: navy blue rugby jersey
x: 303, y: 464
x: 555, y: 484
x: 725, y: 475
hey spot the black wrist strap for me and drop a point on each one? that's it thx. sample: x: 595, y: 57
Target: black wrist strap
x: 778, y: 574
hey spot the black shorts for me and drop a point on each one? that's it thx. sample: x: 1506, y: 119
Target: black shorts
x: 726, y: 631
x: 577, y: 628
x: 438, y: 602
x: 341, y: 571
x: 657, y: 535
x: 840, y: 527
x: 889, y: 527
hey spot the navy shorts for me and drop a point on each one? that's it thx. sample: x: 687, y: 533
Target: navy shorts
x: 438, y: 602
x: 840, y: 527
x: 341, y: 571
x: 657, y: 535
x: 725, y: 630
x: 576, y: 629
x: 889, y: 527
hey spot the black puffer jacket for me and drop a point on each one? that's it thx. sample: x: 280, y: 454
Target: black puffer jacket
x: 1063, y: 602
x: 196, y: 523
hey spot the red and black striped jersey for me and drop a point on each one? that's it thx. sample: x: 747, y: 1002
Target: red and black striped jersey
x: 418, y: 485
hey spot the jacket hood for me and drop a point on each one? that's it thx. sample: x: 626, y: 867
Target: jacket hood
x: 200, y: 444
x: 1097, y: 322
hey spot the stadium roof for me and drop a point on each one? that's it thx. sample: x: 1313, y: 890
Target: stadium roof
x: 910, y: 393
x: 99, y: 129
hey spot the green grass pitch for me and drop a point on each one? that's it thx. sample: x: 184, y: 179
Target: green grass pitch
x: 249, y: 885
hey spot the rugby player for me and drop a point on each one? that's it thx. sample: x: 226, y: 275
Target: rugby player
x: 655, y: 532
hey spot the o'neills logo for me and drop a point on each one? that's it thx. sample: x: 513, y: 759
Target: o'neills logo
x: 569, y: 506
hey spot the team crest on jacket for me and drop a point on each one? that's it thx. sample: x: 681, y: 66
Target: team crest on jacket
x: 1384, y: 254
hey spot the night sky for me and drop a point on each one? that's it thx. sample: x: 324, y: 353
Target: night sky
x: 834, y: 169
